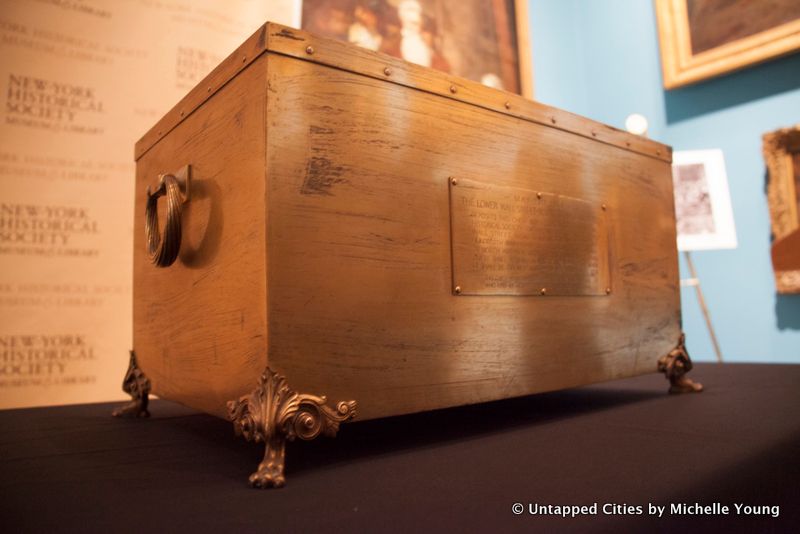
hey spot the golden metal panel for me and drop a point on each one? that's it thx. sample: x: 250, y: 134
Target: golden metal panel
x: 511, y: 241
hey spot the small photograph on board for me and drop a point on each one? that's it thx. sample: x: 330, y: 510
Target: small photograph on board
x: 702, y: 201
x: 473, y: 39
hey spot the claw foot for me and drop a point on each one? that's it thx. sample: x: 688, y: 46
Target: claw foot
x: 138, y: 387
x: 134, y: 408
x: 268, y: 476
x: 675, y: 365
x: 685, y: 385
x: 274, y: 414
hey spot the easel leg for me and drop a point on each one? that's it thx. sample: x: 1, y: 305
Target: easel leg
x: 707, y: 316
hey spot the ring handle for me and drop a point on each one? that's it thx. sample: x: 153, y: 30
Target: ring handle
x: 163, y: 248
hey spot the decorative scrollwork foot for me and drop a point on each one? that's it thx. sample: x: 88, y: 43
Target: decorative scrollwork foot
x: 273, y: 414
x: 675, y: 364
x: 138, y: 387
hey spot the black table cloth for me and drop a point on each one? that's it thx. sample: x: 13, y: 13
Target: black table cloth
x: 625, y: 445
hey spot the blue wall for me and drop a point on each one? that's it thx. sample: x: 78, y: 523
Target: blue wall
x: 601, y: 60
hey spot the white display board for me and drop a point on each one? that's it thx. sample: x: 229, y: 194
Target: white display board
x: 702, y: 201
x: 81, y: 81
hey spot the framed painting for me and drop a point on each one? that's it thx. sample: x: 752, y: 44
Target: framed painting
x: 701, y: 39
x: 703, y: 209
x: 482, y: 40
x: 782, y: 156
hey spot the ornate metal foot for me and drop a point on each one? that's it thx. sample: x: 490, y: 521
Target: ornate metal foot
x: 675, y: 365
x: 273, y: 414
x: 138, y: 386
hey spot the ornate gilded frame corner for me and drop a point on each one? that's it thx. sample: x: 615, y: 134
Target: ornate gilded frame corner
x: 675, y: 364
x: 274, y: 414
x: 780, y: 147
x: 137, y: 385
x: 681, y: 66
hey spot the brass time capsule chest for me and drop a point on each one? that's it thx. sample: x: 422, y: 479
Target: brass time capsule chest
x: 317, y: 219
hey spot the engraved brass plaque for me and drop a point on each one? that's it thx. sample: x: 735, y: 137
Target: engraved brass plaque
x: 510, y: 241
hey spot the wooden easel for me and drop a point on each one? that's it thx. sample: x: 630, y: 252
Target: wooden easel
x: 695, y: 281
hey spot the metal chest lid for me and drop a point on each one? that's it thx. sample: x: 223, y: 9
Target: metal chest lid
x: 279, y: 39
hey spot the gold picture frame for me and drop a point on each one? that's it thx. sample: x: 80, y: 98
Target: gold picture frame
x: 524, y: 51
x: 503, y: 50
x: 722, y: 43
x: 782, y: 156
